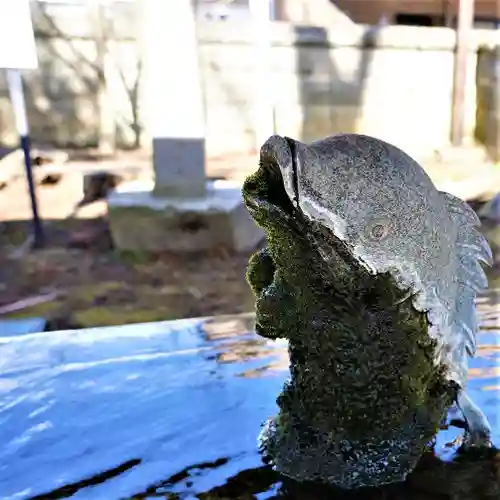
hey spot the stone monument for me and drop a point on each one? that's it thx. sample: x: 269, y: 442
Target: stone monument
x: 181, y: 210
x: 370, y: 273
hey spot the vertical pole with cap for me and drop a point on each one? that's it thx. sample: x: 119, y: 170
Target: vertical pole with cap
x: 15, y: 84
x: 18, y: 52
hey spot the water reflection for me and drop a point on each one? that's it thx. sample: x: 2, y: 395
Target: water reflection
x: 173, y: 410
x: 229, y: 344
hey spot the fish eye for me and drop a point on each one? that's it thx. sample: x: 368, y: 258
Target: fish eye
x: 379, y: 231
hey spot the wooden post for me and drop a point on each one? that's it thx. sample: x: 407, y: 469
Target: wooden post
x: 464, y: 32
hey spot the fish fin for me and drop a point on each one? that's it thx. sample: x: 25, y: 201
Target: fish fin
x: 466, y: 323
x: 473, y: 249
x: 459, y: 209
x: 470, y: 241
x: 471, y: 274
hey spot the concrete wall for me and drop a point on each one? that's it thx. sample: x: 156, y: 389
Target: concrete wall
x: 395, y: 83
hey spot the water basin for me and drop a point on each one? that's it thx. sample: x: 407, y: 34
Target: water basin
x: 172, y: 410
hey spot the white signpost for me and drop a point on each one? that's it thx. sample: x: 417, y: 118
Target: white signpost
x: 18, y: 52
x: 17, y: 41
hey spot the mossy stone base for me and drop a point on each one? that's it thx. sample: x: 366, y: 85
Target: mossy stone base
x: 307, y: 454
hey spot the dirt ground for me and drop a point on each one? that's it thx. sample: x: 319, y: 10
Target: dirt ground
x: 94, y: 284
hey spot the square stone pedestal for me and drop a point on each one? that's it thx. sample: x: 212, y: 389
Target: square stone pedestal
x: 141, y: 220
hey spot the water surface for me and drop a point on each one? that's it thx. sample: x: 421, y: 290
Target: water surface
x: 172, y: 410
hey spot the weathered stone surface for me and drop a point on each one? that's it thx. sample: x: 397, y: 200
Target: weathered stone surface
x: 140, y: 221
x: 380, y: 329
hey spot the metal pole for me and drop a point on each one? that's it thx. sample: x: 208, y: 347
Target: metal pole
x: 15, y: 83
x: 464, y: 32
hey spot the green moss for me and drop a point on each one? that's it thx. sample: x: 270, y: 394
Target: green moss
x: 113, y: 303
x: 109, y: 316
x: 260, y: 271
x: 362, y: 361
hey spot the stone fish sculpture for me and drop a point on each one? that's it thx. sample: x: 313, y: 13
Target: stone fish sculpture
x: 370, y: 273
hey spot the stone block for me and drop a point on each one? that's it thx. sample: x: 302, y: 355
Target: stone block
x: 140, y: 221
x: 179, y: 166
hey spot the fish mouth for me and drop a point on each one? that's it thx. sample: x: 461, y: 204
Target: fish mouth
x: 265, y: 192
x: 271, y: 196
